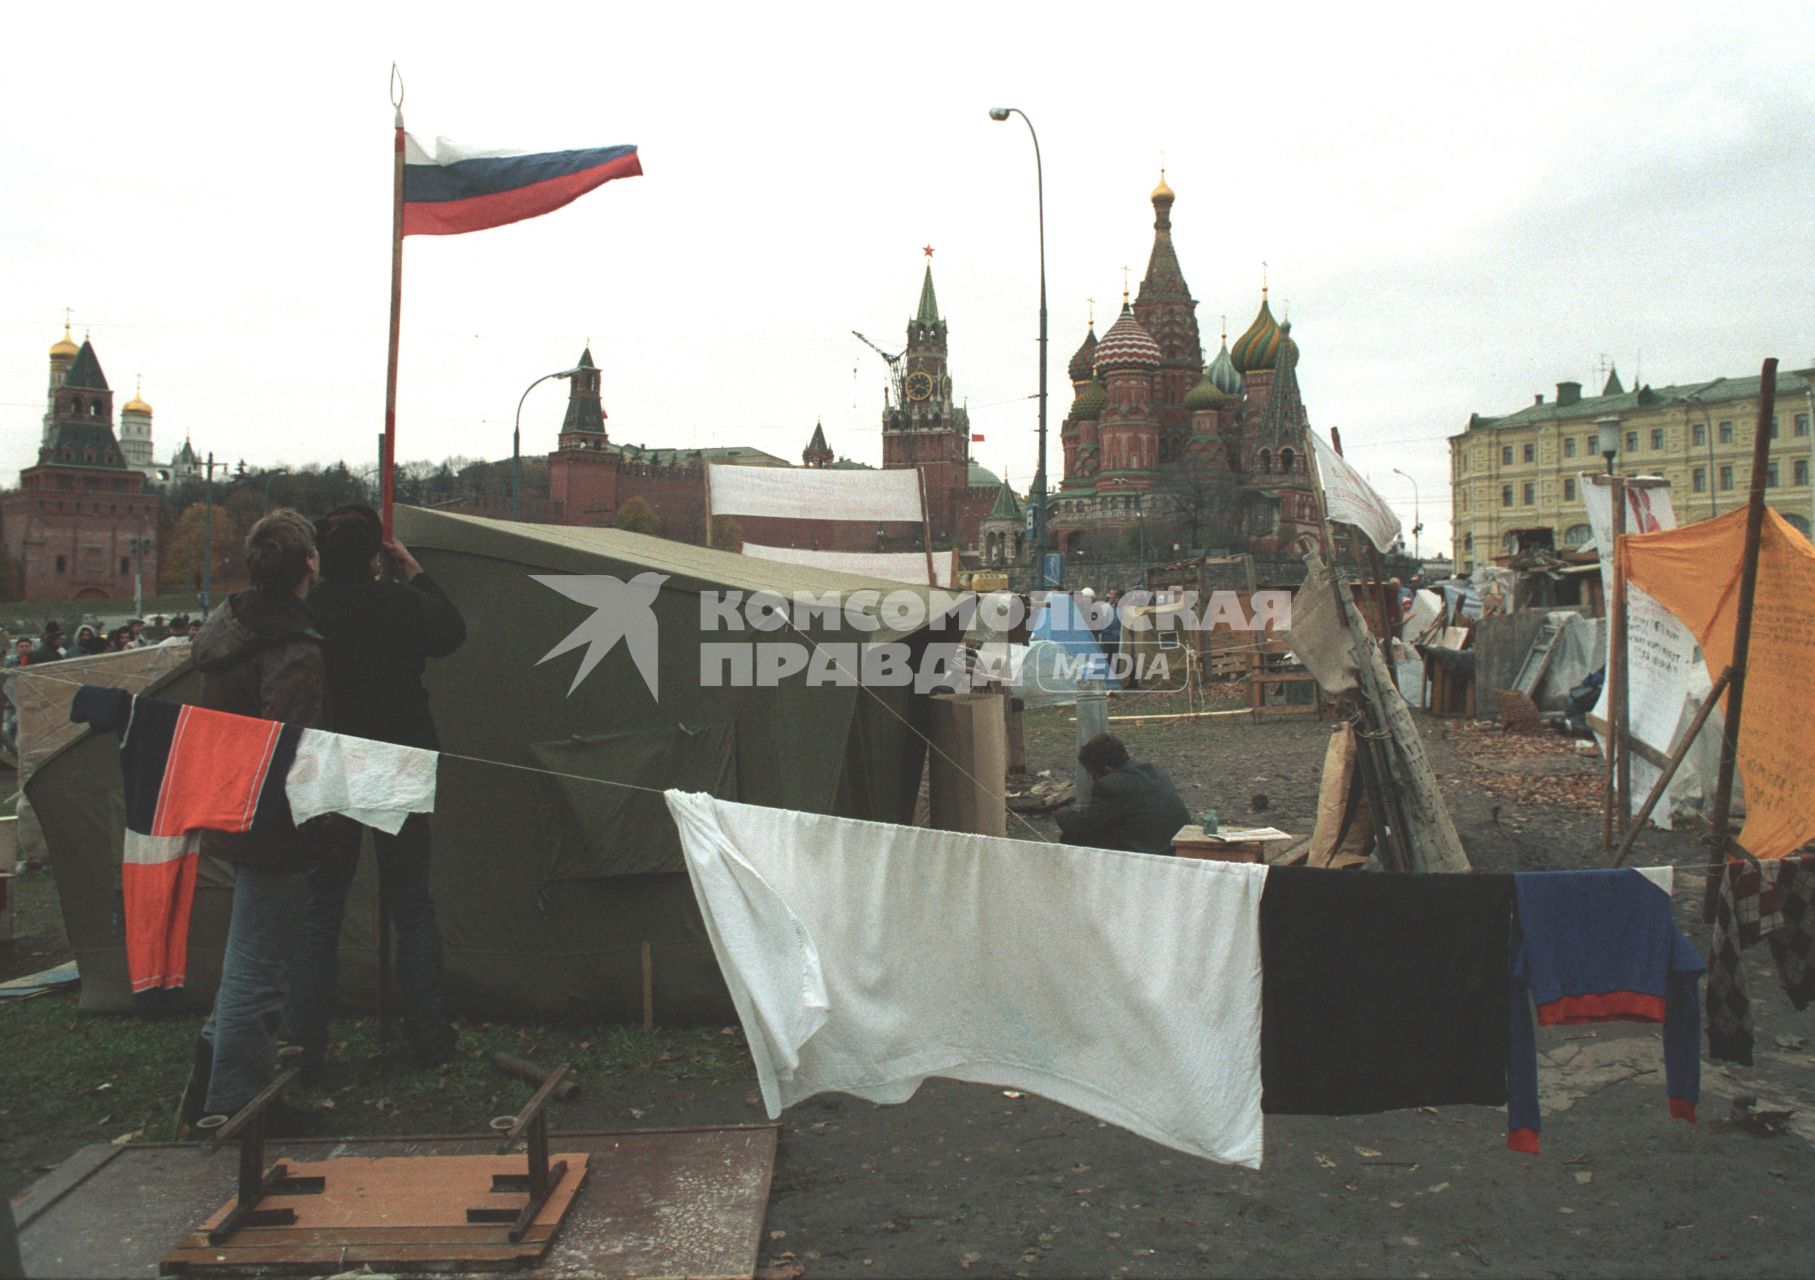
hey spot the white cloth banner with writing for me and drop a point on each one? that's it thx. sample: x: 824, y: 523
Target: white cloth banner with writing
x: 1666, y: 680
x: 1352, y: 500
x: 890, y: 566
x: 810, y: 493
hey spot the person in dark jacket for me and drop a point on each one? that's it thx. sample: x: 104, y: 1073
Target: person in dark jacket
x: 50, y: 648
x: 1132, y: 806
x: 380, y: 634
x: 261, y: 656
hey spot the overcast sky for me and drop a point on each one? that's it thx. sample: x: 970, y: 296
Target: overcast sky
x: 1461, y: 206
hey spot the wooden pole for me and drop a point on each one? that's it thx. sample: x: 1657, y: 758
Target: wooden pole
x: 1671, y: 765
x: 1742, y: 636
x: 1620, y: 731
x: 387, y: 487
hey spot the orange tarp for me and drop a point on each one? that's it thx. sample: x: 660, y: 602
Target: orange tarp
x: 1694, y: 572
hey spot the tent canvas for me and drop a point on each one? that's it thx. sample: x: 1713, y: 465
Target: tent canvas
x: 545, y: 891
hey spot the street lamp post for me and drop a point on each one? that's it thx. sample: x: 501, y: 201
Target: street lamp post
x: 516, y: 443
x: 1000, y: 114
x: 1417, y: 520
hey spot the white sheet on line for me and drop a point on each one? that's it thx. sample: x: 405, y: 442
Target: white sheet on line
x: 864, y: 957
x: 809, y: 493
x: 377, y: 784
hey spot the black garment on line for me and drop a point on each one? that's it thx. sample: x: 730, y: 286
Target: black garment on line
x: 1381, y: 991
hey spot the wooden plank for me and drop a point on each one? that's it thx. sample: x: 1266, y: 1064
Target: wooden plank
x: 67, y: 1176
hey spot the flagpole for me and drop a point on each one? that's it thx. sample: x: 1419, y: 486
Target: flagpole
x: 388, y: 459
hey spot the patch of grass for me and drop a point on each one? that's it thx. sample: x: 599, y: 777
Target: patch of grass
x: 73, y: 1079
x: 90, y: 1079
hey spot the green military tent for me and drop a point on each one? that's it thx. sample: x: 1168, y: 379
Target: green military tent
x: 548, y: 882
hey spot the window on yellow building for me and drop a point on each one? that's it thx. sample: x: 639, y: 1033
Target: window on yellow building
x: 1632, y: 442
x: 1726, y: 433
x: 1801, y: 471
x: 1569, y: 488
x: 1506, y: 455
x: 1726, y: 477
x: 1700, y: 435
x: 1802, y: 424
x: 1569, y: 446
x: 1531, y: 493
x: 1506, y: 495
x: 1699, y: 481
x: 1657, y: 437
x: 1529, y: 453
x: 1770, y: 475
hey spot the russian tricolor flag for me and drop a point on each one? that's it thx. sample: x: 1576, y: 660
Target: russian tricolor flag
x: 453, y: 189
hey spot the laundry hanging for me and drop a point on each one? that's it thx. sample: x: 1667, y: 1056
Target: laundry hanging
x: 1383, y: 991
x: 1773, y: 900
x: 376, y: 784
x: 1599, y: 946
x: 187, y: 769
x: 183, y: 770
x: 864, y: 958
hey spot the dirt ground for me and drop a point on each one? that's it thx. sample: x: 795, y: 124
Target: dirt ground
x: 967, y: 1180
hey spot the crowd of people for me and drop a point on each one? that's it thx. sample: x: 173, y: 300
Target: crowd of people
x: 54, y: 645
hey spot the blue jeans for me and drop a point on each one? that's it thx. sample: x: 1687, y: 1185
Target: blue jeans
x: 403, y: 878
x: 264, y: 934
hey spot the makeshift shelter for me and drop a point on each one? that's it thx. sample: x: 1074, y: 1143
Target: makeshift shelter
x: 1074, y: 625
x: 548, y: 883
x: 1694, y: 572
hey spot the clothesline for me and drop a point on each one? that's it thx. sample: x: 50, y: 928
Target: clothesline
x: 1698, y: 865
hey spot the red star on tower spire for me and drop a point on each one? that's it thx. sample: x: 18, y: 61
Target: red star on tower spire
x: 927, y: 250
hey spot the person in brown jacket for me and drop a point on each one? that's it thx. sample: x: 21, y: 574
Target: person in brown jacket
x: 260, y: 656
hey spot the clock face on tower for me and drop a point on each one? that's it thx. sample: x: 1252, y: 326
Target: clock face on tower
x: 919, y: 384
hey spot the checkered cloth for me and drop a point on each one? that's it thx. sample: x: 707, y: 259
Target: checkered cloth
x: 1774, y: 901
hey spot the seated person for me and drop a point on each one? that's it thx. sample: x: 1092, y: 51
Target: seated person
x: 1132, y: 806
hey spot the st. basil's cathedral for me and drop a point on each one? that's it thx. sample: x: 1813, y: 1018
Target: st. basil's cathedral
x: 1207, y: 456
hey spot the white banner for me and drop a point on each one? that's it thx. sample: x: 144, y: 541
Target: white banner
x: 1352, y: 500
x: 1666, y: 679
x: 812, y: 493
x: 890, y: 566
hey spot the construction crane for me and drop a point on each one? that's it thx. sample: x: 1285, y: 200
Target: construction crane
x: 894, y: 361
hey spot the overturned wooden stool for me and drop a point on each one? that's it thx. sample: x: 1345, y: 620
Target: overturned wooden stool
x: 398, y: 1212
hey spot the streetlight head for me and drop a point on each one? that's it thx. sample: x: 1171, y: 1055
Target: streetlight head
x: 568, y: 373
x: 998, y: 113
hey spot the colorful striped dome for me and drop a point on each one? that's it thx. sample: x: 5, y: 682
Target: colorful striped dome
x: 1205, y: 395
x: 1223, y: 374
x: 1259, y: 346
x: 1091, y: 402
x: 1127, y: 346
x: 1081, y: 359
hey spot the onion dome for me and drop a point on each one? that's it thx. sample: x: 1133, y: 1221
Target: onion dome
x: 1127, y: 345
x: 1163, y: 192
x: 136, y: 405
x: 1259, y: 346
x: 1206, y: 395
x: 1091, y: 402
x: 1081, y: 359
x: 64, y: 346
x: 1222, y: 372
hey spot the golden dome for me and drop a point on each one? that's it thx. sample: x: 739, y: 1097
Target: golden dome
x: 135, y: 405
x: 1162, y: 192
x: 64, y: 346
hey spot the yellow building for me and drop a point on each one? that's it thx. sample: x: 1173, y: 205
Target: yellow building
x: 1515, y: 477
